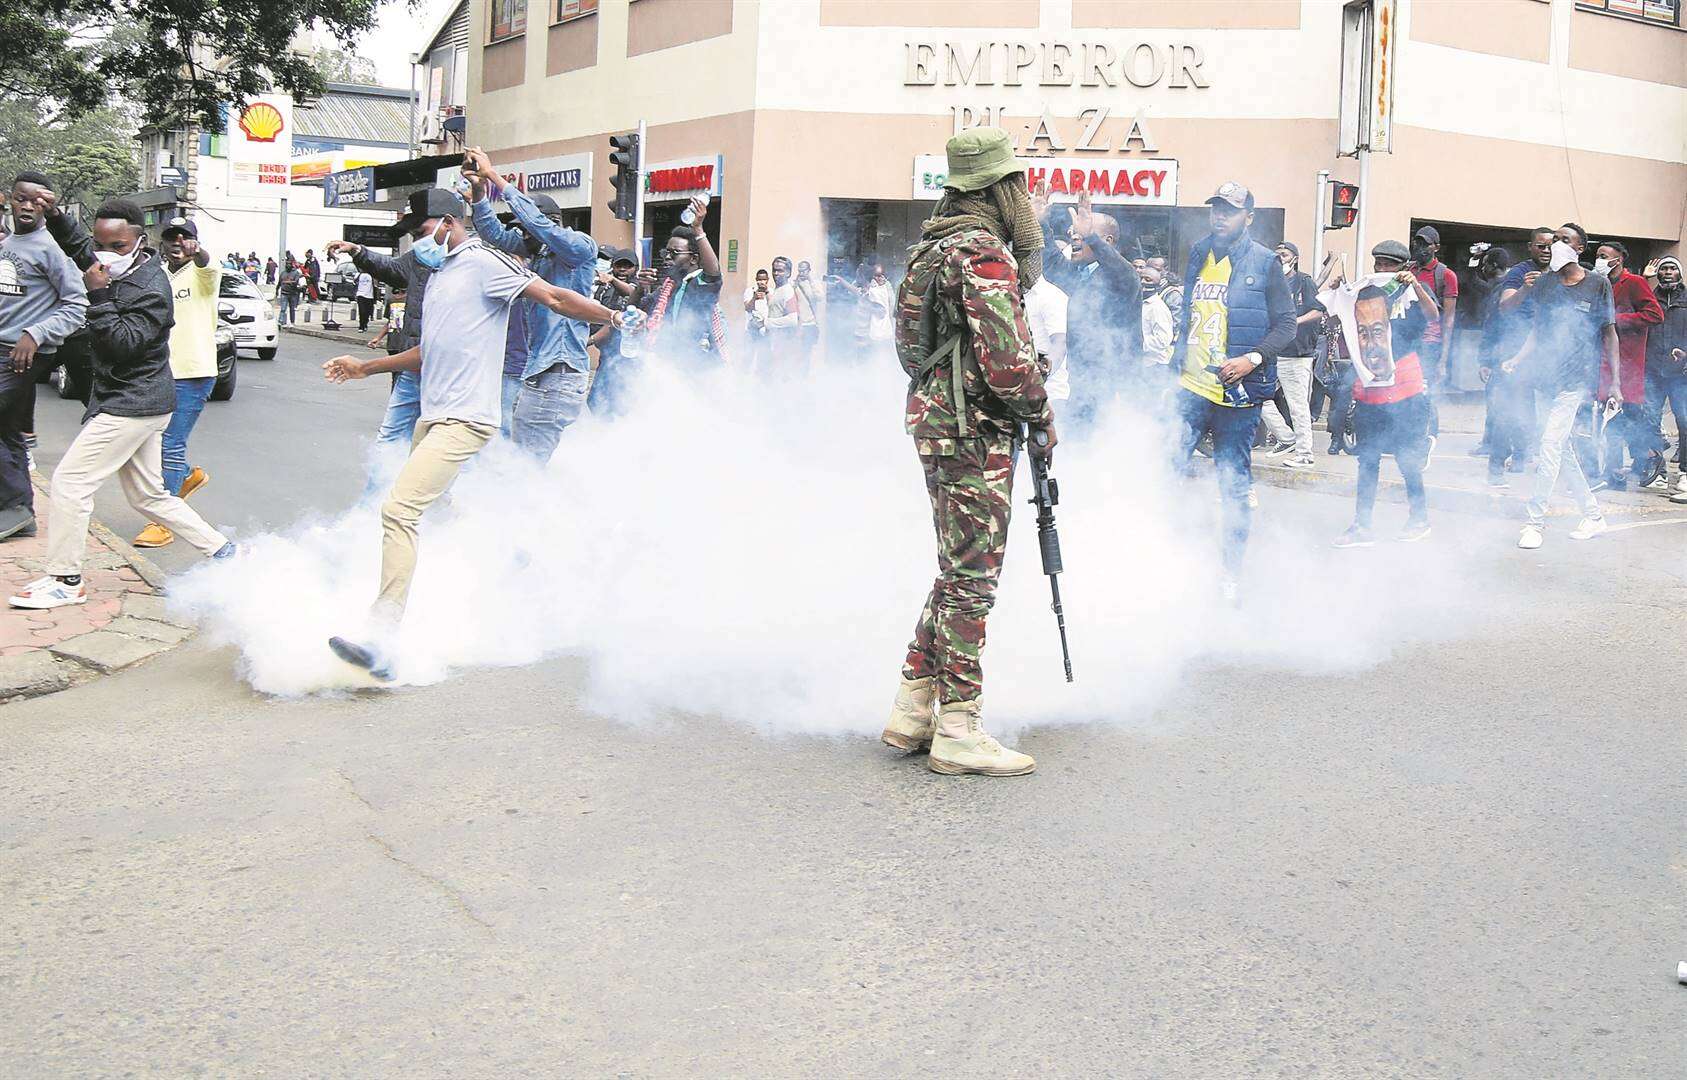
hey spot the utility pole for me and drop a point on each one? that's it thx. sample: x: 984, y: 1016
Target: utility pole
x: 1359, y: 248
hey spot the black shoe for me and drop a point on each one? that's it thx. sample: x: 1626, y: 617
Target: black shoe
x: 1617, y: 483
x: 1335, y: 448
x: 16, y: 521
x: 361, y: 656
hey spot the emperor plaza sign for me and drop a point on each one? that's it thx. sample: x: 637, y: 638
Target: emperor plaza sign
x: 1134, y: 182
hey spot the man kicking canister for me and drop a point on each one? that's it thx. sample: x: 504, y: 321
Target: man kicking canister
x: 461, y: 362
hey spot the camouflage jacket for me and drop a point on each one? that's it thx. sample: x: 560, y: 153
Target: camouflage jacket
x: 1001, y: 377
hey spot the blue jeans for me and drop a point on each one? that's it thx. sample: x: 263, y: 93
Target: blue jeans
x: 287, y: 308
x: 404, y: 407
x: 1233, y: 440
x: 1668, y: 381
x: 615, y: 374
x: 546, y: 404
x: 191, y: 395
x: 511, y: 387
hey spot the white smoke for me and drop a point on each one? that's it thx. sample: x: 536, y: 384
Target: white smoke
x: 759, y: 549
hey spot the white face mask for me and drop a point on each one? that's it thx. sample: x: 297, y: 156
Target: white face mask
x: 117, y: 265
x: 1602, y: 267
x: 1562, y: 255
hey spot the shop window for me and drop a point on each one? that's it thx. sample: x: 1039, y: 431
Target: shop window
x: 509, y: 18
x: 568, y: 10
x: 1658, y: 12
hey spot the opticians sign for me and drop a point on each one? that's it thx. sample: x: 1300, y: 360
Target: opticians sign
x: 567, y: 178
x: 669, y: 181
x: 1137, y: 182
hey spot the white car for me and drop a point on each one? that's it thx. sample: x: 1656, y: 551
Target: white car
x: 242, y: 307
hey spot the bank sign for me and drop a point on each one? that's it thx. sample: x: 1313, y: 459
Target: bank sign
x: 1136, y: 182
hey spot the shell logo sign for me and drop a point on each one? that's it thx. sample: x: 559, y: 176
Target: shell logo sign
x: 261, y: 122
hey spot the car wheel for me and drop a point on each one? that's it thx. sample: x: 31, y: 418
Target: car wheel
x: 224, y: 388
x: 266, y: 354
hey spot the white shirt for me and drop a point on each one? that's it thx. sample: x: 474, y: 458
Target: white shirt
x: 365, y: 287
x: 1157, y: 330
x: 1045, y: 311
x: 879, y: 325
x: 758, y: 309
x: 463, y: 329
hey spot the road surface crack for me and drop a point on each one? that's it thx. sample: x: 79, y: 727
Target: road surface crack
x: 439, y: 884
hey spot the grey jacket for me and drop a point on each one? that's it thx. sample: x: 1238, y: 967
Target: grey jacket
x: 41, y: 292
x: 401, y: 272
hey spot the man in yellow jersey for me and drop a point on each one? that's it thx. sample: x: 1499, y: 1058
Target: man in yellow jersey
x: 1237, y: 316
x: 194, y: 284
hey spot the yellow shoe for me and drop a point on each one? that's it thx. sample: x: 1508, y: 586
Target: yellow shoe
x: 192, y: 483
x: 960, y: 746
x: 154, y: 536
x: 910, y: 718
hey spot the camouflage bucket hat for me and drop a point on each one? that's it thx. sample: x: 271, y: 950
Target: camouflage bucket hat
x: 978, y: 157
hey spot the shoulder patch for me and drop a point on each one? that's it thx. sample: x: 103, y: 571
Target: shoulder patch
x: 993, y: 268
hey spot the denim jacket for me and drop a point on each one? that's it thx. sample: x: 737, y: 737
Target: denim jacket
x: 567, y: 259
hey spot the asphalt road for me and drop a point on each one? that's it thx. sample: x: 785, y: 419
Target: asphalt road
x: 1466, y: 860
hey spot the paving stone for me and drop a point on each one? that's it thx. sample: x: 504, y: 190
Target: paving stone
x: 155, y: 608
x: 152, y: 631
x: 33, y: 672
x: 107, y: 651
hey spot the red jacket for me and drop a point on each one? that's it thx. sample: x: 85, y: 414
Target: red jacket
x: 1638, y: 311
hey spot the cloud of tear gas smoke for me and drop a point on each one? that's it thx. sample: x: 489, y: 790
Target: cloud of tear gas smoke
x: 760, y: 550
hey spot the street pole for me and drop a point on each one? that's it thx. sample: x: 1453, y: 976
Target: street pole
x: 1359, y: 248
x: 281, y: 252
x: 638, y: 200
x: 1318, y: 222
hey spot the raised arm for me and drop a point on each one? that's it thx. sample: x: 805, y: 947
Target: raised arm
x: 569, y: 304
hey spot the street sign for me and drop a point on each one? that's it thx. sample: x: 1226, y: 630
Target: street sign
x: 731, y: 256
x: 351, y: 187
x: 375, y: 236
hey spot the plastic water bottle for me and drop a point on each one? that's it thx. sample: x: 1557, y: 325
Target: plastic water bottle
x: 632, y: 334
x: 686, y: 217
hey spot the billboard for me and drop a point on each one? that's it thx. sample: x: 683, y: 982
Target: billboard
x: 260, y: 146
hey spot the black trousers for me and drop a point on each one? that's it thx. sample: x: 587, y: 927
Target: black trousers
x: 17, y: 416
x: 365, y: 308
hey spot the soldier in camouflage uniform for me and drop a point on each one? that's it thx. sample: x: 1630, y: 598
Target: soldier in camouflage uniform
x: 962, y: 337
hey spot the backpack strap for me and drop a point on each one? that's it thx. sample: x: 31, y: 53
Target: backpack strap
x: 949, y: 351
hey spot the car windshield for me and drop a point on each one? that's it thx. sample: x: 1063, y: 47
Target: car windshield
x: 238, y: 288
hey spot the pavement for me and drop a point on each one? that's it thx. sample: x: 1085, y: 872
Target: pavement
x: 123, y: 623
x: 1462, y: 859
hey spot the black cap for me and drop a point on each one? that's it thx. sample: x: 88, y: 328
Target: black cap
x: 1292, y: 250
x: 621, y: 255
x: 1392, y: 249
x: 546, y: 204
x: 431, y: 203
x: 180, y: 227
x: 1427, y: 233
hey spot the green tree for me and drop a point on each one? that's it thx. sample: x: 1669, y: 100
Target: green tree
x: 89, y: 159
x: 337, y: 65
x: 172, y: 58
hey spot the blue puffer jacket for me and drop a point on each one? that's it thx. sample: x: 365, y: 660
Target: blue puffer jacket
x: 1261, y: 314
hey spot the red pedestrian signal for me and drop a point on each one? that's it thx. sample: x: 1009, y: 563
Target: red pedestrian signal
x: 1344, y: 205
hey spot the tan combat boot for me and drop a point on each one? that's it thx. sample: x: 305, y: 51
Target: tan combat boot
x: 960, y: 745
x: 910, y: 718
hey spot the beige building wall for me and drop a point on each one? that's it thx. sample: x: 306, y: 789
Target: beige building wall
x: 1508, y: 113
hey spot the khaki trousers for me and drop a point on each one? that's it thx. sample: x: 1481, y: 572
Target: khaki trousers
x: 437, y: 452
x: 131, y: 447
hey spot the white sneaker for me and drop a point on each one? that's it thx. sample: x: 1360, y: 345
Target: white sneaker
x: 1253, y: 499
x: 1429, y: 454
x: 1531, y: 538
x: 1301, y: 461
x: 49, y: 592
x: 1589, y: 528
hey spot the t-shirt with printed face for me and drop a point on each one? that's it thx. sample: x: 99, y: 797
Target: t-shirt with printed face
x: 464, y: 327
x: 1209, y: 330
x: 1570, y: 323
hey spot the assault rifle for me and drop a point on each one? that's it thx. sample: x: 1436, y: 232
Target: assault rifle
x: 1045, y: 495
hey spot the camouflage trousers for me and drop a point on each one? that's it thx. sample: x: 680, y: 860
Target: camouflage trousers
x: 971, y: 500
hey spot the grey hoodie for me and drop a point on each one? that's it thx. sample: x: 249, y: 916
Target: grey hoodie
x: 41, y: 291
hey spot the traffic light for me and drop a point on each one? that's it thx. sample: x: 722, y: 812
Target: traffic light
x: 623, y: 154
x: 1344, y: 205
